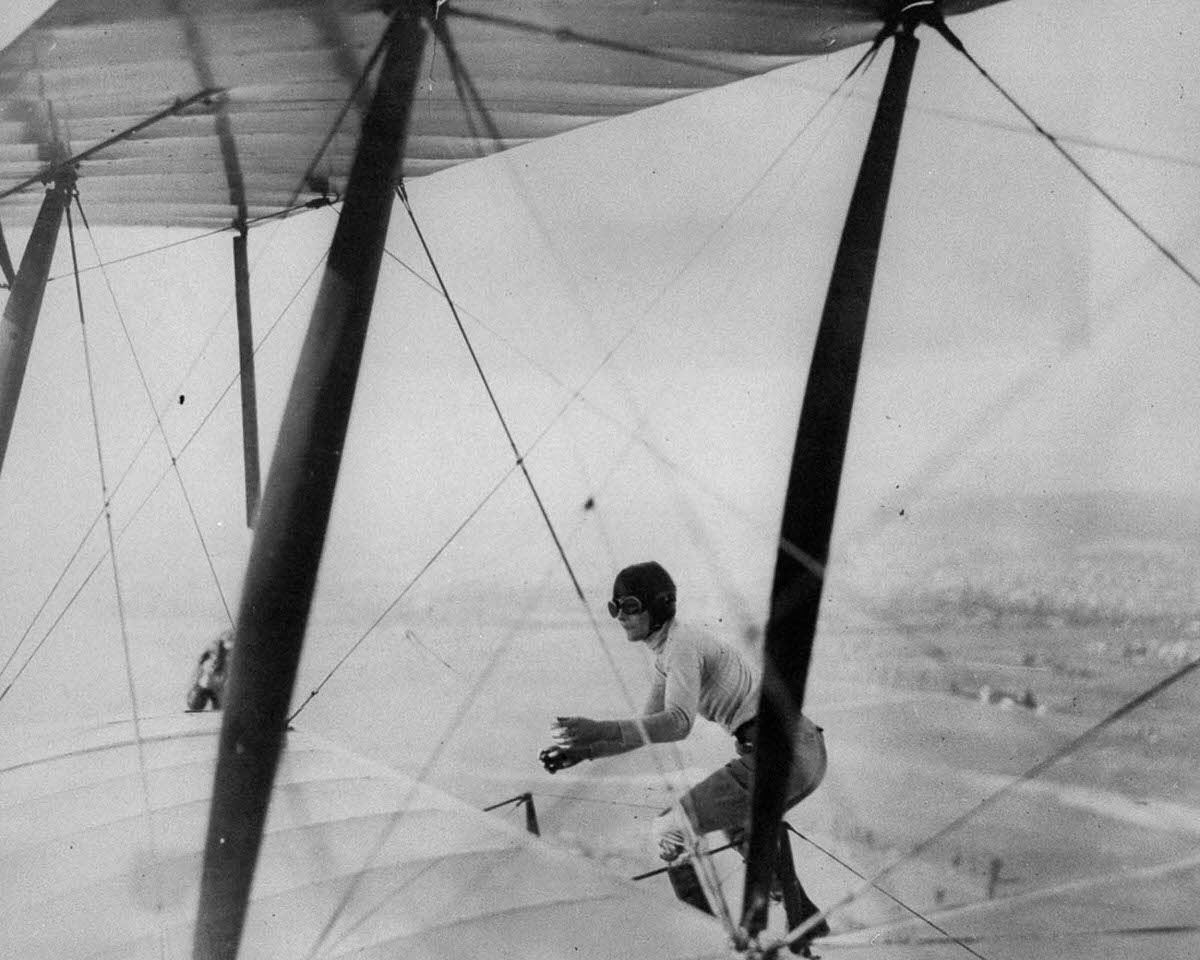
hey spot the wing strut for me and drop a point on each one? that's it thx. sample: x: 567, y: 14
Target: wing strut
x: 25, y: 301
x: 294, y: 514
x: 241, y: 276
x: 235, y: 179
x: 813, y: 483
x: 6, y: 267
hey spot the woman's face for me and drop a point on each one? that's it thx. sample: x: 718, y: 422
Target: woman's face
x: 636, y: 625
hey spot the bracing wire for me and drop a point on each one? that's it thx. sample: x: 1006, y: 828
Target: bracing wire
x: 314, y: 204
x: 519, y: 457
x: 510, y: 472
x: 1079, y: 168
x: 487, y: 386
x: 1106, y: 146
x: 992, y: 799
x: 569, y: 567
x: 347, y: 103
x: 46, y: 601
x: 403, y: 593
x: 891, y: 896
x: 1123, y: 878
x: 463, y: 82
x: 576, y: 395
x: 1136, y: 701
x: 133, y: 460
x: 447, y: 734
x: 566, y: 35
x: 260, y: 252
x: 1158, y: 930
x: 161, y: 428
x: 143, y: 766
x: 145, y: 500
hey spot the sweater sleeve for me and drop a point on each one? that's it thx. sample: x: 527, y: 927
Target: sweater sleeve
x: 670, y: 707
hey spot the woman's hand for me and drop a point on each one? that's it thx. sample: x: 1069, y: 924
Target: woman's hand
x: 582, y: 732
x: 557, y: 758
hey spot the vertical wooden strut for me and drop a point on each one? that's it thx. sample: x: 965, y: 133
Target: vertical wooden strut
x: 25, y: 302
x: 813, y: 483
x: 241, y: 277
x: 294, y: 514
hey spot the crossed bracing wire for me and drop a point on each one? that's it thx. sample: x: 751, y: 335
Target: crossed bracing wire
x: 1150, y: 693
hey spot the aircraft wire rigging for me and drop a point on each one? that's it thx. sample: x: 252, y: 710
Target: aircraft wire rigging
x: 118, y: 591
x: 136, y: 512
x: 711, y: 882
x: 936, y: 21
x: 575, y: 37
x: 443, y: 741
x: 69, y: 167
x: 1163, y: 930
x: 577, y: 395
x: 519, y: 458
x: 1039, y: 768
x: 158, y: 421
x: 1023, y: 129
x: 408, y: 587
x: 349, y: 101
x: 1041, y: 131
x: 661, y: 457
x: 316, y: 203
x: 1055, y: 142
x: 946, y: 935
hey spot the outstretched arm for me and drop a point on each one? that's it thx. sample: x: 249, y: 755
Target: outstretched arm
x: 578, y: 738
x: 667, y: 716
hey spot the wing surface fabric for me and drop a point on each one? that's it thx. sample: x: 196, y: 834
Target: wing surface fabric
x: 88, y: 874
x: 88, y: 70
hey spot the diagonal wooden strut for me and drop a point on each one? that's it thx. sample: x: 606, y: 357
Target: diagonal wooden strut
x: 813, y: 483
x: 25, y: 302
x: 294, y: 513
x: 6, y: 267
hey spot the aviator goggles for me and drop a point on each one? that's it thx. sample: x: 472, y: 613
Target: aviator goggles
x: 630, y: 606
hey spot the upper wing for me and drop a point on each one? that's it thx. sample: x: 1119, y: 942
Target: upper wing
x: 280, y: 75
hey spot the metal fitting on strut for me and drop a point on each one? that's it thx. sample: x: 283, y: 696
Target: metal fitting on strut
x: 908, y: 14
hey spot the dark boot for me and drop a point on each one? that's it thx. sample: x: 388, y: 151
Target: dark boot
x: 796, y: 903
x: 686, y: 884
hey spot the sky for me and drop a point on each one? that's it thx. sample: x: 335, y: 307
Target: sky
x: 1023, y: 338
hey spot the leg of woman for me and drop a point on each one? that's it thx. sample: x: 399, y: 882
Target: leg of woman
x: 719, y: 802
x: 809, y: 762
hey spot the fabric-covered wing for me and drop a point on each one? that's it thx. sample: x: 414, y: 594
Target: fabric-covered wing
x: 372, y: 862
x: 285, y: 71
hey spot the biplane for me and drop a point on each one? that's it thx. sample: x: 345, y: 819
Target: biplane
x: 439, y: 493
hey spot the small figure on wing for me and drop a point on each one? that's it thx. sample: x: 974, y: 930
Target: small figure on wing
x: 696, y: 674
x: 211, y: 671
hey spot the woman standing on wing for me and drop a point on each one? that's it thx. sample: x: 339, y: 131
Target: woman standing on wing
x: 694, y: 674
